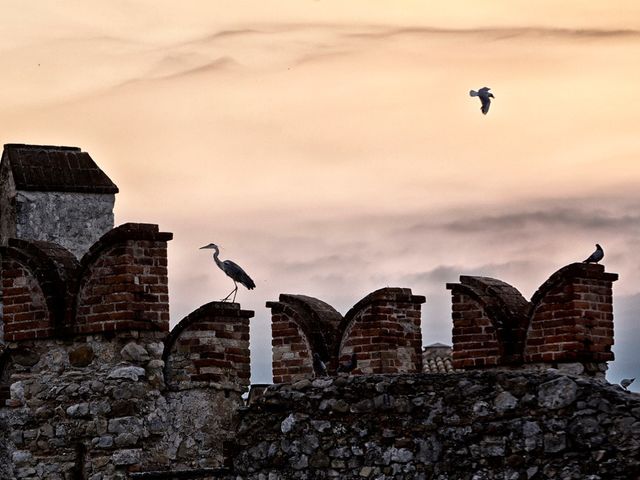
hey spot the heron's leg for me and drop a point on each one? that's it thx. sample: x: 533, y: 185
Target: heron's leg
x: 234, y: 293
x: 231, y: 292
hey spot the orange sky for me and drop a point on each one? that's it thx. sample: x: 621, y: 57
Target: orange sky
x: 331, y: 148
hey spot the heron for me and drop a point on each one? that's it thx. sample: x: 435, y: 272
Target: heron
x: 485, y: 98
x: 233, y: 271
x: 596, y: 256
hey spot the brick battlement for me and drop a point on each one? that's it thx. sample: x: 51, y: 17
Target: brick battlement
x: 120, y: 284
x: 383, y: 329
x: 569, y: 319
x: 208, y: 347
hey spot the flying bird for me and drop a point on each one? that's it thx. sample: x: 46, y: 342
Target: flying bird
x: 485, y: 98
x: 233, y: 271
x: 349, y: 366
x: 626, y: 382
x: 319, y: 368
x: 596, y: 256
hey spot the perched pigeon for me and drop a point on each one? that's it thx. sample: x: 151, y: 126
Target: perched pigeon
x: 319, y: 368
x: 626, y: 382
x: 596, y: 256
x: 485, y: 98
x: 350, y: 365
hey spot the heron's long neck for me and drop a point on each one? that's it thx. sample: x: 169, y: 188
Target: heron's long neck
x: 216, y: 252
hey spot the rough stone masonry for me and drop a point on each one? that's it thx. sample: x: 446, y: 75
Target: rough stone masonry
x: 473, y: 425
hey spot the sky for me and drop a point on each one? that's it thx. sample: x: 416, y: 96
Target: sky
x: 331, y: 148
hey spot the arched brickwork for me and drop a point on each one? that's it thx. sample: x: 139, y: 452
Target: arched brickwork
x: 209, y: 346
x: 569, y: 319
x: 35, y: 286
x: 572, y: 316
x: 300, y: 327
x: 490, y: 319
x: 120, y: 284
x: 383, y: 329
x: 123, y: 281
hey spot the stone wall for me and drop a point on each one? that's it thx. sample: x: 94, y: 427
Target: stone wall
x: 472, y: 425
x: 84, y: 408
x: 73, y: 220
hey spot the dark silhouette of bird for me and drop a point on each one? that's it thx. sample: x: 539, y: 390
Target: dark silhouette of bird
x: 626, y: 382
x: 349, y: 366
x: 485, y: 98
x: 233, y: 271
x: 596, y: 256
x: 319, y: 368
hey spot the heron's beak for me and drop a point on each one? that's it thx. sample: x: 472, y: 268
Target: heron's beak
x: 206, y: 246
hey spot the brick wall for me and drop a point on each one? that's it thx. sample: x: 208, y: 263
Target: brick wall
x: 124, y: 282
x: 490, y: 320
x: 383, y: 329
x: 209, y: 346
x: 569, y: 319
x: 475, y: 343
x: 292, y: 353
x: 300, y: 327
x: 120, y: 284
x: 26, y: 314
x: 36, y: 278
x: 572, y: 316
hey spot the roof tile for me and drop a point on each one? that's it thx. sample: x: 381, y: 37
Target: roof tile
x: 50, y: 168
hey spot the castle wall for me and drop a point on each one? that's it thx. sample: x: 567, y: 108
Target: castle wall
x: 478, y: 424
x: 302, y: 326
x: 383, y: 329
x: 572, y: 318
x: 93, y: 383
x: 84, y: 407
x: 206, y: 372
x: 124, y: 281
x: 567, y: 324
x: 292, y: 352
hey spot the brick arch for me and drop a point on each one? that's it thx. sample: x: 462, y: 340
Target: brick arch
x: 384, y: 331
x: 37, y: 279
x: 209, y: 346
x: 123, y: 281
x: 572, y: 316
x: 490, y: 320
x: 302, y: 326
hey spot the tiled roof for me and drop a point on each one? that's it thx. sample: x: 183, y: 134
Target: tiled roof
x: 436, y: 358
x: 61, y: 169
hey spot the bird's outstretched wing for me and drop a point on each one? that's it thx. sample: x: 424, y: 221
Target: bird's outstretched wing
x: 236, y: 272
